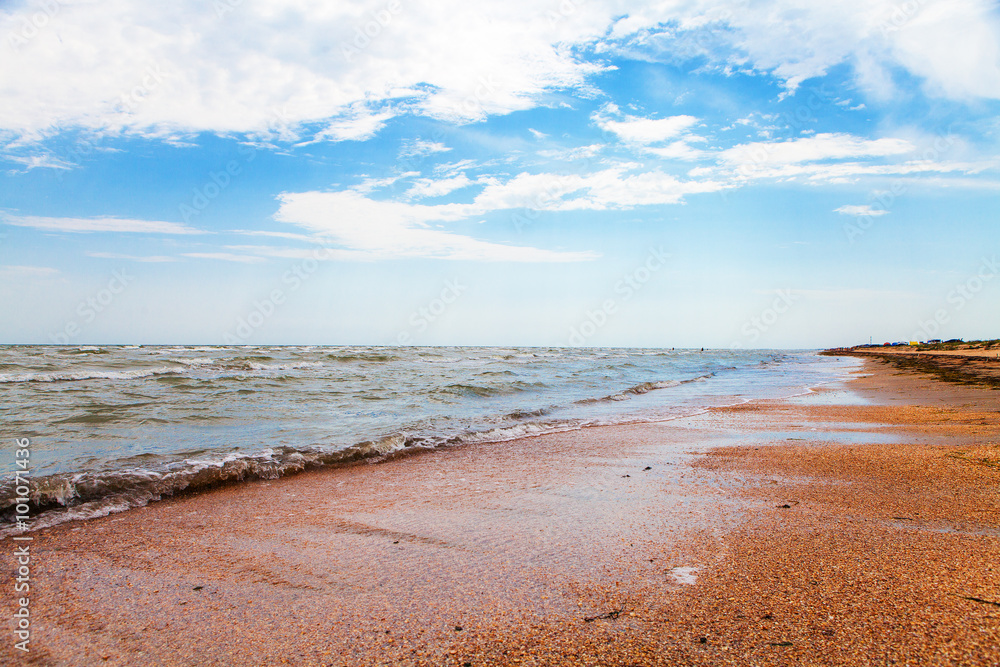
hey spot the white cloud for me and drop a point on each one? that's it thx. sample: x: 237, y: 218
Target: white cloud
x: 646, y: 189
x: 613, y: 188
x: 954, y: 45
x: 86, y: 225
x: 645, y: 133
x: 678, y: 150
x: 152, y: 259
x: 362, y: 127
x: 837, y: 172
x: 224, y: 257
x: 320, y: 251
x: 426, y: 187
x: 369, y: 184
x: 619, y: 187
x: 533, y: 191
x: 860, y: 210
x: 271, y: 66
x: 811, y: 149
x: 39, y: 162
x: 647, y: 130
x: 278, y: 67
x: 278, y: 235
x: 383, y: 229
x: 421, y: 147
x: 18, y: 271
x: 454, y: 168
x: 577, y: 153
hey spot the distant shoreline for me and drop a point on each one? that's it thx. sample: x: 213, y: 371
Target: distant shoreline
x: 964, y: 363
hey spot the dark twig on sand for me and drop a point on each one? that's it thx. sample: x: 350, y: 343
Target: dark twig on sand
x: 610, y: 614
x: 975, y: 599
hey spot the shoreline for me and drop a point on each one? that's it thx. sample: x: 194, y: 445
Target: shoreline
x: 972, y: 366
x: 115, y: 491
x: 736, y: 536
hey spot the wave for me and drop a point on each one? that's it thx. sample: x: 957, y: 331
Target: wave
x: 362, y: 356
x: 58, y: 498
x: 205, y: 433
x: 186, y: 368
x: 645, y: 388
x: 56, y: 376
x: 460, y: 389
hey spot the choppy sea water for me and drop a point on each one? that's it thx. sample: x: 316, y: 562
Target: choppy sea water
x: 113, y: 428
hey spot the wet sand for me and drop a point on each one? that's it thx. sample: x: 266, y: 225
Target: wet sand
x: 858, y: 525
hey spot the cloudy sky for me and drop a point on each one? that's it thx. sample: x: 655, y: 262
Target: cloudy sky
x: 680, y: 173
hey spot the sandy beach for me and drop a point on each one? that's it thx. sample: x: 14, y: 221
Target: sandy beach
x: 857, y: 525
x: 969, y: 365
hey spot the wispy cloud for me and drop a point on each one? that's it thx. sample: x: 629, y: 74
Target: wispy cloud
x: 667, y: 138
x: 860, y: 210
x: 426, y: 187
x: 359, y: 127
x: 420, y: 147
x: 225, y: 257
x: 43, y: 161
x: 20, y: 271
x: 278, y: 235
x: 829, y: 146
x: 152, y: 259
x: 388, y: 229
x: 91, y: 225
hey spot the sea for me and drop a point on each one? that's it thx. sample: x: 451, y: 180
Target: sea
x: 114, y: 428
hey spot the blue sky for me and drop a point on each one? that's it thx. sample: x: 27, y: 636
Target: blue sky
x: 579, y: 172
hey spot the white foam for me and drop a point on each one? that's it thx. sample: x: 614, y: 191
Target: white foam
x: 684, y: 575
x: 86, y: 375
